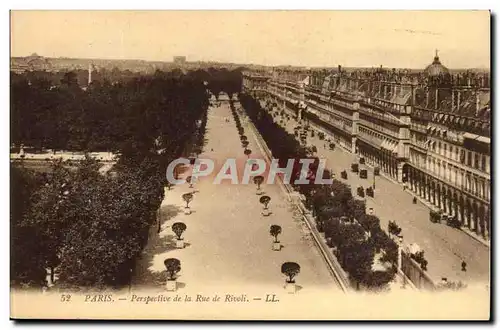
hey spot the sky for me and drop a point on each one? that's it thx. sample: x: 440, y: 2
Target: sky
x: 403, y: 39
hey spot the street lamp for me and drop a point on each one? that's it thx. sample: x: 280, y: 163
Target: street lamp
x: 400, y: 259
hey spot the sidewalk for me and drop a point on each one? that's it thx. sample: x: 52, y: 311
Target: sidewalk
x: 228, y: 245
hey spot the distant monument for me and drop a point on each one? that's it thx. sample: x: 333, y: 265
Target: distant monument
x: 90, y: 73
x: 179, y: 60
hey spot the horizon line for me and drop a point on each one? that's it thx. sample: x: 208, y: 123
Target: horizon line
x: 253, y: 64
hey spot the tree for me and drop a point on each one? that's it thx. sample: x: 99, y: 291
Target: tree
x: 173, y: 266
x: 358, y: 261
x: 325, y: 214
x: 50, y: 214
x: 244, y: 144
x: 110, y: 220
x: 370, y: 222
x: 247, y: 152
x: 290, y: 269
x: 178, y: 228
x: 27, y: 262
x: 187, y: 197
x: 275, y: 230
x: 189, y: 180
x: 243, y: 138
x: 264, y: 200
x: 258, y: 180
x: 379, y: 279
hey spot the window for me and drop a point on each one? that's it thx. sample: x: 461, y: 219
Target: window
x: 456, y: 154
x: 469, y: 158
x: 445, y: 149
x: 476, y: 160
x: 439, y: 148
x: 483, y: 163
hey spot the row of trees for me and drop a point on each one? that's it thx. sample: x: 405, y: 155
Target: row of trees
x: 355, y: 236
x: 283, y: 145
x: 91, y: 227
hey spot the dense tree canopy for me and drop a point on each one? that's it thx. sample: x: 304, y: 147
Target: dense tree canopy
x: 50, y: 110
x: 90, y: 226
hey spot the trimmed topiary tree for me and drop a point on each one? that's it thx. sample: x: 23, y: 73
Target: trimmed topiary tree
x: 173, y: 266
x: 178, y: 228
x: 264, y: 200
x: 258, y: 180
x: 189, y: 180
x: 275, y: 230
x: 290, y: 270
x: 187, y: 197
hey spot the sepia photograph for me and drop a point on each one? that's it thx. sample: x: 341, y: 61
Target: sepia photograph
x: 250, y: 165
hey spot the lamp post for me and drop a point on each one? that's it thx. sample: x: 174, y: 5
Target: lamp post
x: 400, y: 259
x: 400, y: 252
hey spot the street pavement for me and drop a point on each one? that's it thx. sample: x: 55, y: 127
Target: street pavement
x: 228, y: 245
x: 445, y: 247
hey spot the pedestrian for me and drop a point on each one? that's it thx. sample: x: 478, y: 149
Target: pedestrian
x: 211, y: 149
x: 464, y: 266
x: 414, y: 200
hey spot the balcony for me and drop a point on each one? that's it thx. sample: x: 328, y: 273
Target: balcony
x: 326, y: 109
x: 380, y: 129
x: 387, y: 106
x: 419, y: 128
x: 379, y: 115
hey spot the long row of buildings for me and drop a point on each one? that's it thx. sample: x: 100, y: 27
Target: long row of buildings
x: 35, y: 62
x: 429, y: 129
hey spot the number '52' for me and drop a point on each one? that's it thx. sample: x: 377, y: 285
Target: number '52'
x: 65, y: 298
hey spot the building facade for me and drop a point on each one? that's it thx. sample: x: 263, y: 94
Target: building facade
x: 428, y: 129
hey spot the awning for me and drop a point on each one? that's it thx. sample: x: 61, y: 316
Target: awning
x: 385, y: 144
x: 389, y: 145
x: 395, y: 148
x: 371, y: 142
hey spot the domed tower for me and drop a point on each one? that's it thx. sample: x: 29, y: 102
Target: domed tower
x: 438, y: 75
